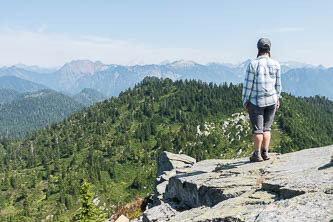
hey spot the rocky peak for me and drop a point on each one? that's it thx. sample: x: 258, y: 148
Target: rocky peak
x: 71, y: 72
x: 290, y: 187
x: 81, y: 67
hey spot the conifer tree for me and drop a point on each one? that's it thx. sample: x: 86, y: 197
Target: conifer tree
x: 89, y: 212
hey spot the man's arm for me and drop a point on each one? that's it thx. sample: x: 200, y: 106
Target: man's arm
x: 278, y: 86
x: 247, y: 86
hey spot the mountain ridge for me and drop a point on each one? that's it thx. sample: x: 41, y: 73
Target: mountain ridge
x: 110, y: 80
x: 20, y: 102
x: 20, y: 85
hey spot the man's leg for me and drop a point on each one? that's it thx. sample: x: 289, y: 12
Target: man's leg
x: 257, y: 121
x: 269, y: 114
x: 257, y: 140
x: 267, y: 140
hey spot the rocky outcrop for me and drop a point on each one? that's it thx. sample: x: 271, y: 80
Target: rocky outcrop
x: 290, y: 187
x: 168, y: 161
x: 169, y: 165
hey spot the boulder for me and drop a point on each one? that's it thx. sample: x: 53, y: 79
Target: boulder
x: 162, y: 212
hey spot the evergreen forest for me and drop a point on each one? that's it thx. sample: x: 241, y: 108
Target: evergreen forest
x: 26, y: 112
x: 114, y: 144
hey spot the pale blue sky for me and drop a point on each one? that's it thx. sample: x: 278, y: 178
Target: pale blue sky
x: 50, y: 33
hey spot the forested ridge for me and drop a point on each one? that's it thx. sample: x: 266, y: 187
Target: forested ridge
x: 114, y: 144
x: 8, y: 95
x: 20, y: 85
x: 22, y: 112
x: 89, y: 96
x: 26, y: 112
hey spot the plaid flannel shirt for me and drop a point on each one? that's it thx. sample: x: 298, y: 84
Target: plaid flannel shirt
x: 262, y: 85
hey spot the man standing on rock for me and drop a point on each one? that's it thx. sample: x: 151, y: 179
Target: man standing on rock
x: 261, y: 93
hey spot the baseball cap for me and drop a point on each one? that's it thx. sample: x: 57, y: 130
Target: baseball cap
x: 264, y: 43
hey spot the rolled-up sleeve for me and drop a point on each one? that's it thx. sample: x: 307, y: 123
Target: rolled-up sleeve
x: 278, y: 86
x: 248, y: 84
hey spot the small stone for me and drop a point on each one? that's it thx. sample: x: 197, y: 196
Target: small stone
x: 161, y: 212
x: 122, y: 218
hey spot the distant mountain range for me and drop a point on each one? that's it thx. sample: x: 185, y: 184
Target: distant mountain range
x: 309, y: 82
x: 36, y: 69
x: 110, y: 80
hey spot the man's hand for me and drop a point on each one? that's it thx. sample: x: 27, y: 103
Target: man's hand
x: 246, y: 106
x: 278, y: 105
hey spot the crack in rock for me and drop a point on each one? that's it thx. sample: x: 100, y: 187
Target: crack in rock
x: 283, y: 193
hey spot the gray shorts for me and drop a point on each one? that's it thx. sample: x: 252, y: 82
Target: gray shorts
x: 261, y: 117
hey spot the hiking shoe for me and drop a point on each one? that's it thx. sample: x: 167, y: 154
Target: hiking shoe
x: 264, y: 154
x: 256, y: 158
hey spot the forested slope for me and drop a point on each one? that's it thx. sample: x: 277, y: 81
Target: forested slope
x: 18, y: 84
x: 8, y: 95
x: 89, y: 97
x: 114, y: 144
x: 34, y: 110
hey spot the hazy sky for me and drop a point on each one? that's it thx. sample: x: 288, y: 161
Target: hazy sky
x: 50, y: 33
